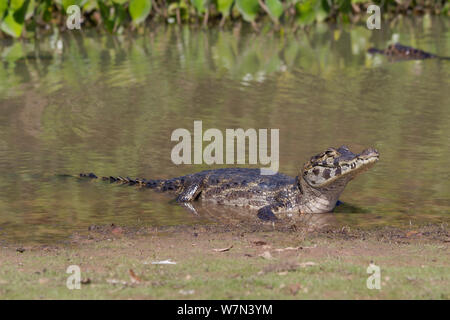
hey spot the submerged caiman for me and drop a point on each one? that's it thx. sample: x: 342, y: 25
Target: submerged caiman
x: 398, y: 51
x: 315, y: 190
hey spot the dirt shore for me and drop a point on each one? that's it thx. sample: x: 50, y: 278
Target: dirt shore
x: 232, y: 262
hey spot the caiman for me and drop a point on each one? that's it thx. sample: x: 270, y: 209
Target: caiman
x: 398, y: 51
x: 315, y: 190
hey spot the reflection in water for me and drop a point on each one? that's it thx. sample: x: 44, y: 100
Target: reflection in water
x: 247, y: 219
x: 109, y: 105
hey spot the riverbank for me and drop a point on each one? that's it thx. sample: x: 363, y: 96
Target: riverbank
x: 229, y: 262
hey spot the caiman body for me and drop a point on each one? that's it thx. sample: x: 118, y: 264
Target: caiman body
x: 315, y: 190
x: 398, y: 51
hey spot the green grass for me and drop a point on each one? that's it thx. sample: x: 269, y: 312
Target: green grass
x: 413, y: 271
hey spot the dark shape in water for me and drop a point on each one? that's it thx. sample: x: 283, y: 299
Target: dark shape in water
x: 398, y: 51
x: 315, y: 190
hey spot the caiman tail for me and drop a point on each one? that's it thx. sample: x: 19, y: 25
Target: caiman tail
x: 158, y: 184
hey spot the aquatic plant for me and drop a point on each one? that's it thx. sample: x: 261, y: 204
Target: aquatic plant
x: 23, y: 18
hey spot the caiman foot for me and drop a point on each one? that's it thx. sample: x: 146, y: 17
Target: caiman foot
x: 191, y: 191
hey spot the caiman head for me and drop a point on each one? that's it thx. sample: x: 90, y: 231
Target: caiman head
x: 325, y: 176
x: 337, y: 166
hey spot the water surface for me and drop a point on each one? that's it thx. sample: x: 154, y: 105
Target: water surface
x: 90, y: 103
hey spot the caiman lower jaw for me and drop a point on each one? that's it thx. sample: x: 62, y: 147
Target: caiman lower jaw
x: 363, y: 165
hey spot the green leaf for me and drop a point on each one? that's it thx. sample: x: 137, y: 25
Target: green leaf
x: 120, y: 1
x: 446, y: 8
x: 89, y: 5
x: 30, y: 10
x: 184, y: 12
x: 224, y: 6
x: 16, y: 4
x: 14, y: 21
x: 3, y: 8
x: 44, y: 9
x: 248, y: 8
x: 345, y: 6
x: 306, y: 12
x: 11, y: 26
x: 105, y: 13
x: 68, y: 3
x: 275, y: 8
x: 199, y: 5
x: 139, y: 10
x: 322, y: 10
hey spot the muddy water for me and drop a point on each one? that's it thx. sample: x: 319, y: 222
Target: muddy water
x: 103, y: 104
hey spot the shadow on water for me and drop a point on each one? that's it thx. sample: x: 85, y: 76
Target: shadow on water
x: 347, y: 208
x: 247, y: 219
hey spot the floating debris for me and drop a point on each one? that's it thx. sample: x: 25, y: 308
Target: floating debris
x: 266, y: 255
x: 186, y: 292
x: 168, y: 261
x: 288, y: 249
x: 134, y: 278
x: 307, y: 264
x: 115, y: 281
x: 223, y: 249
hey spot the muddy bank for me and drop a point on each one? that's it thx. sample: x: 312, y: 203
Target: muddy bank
x: 231, y: 262
x: 425, y: 233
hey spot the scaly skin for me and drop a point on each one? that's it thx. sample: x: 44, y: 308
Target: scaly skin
x: 400, y: 52
x: 315, y: 190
